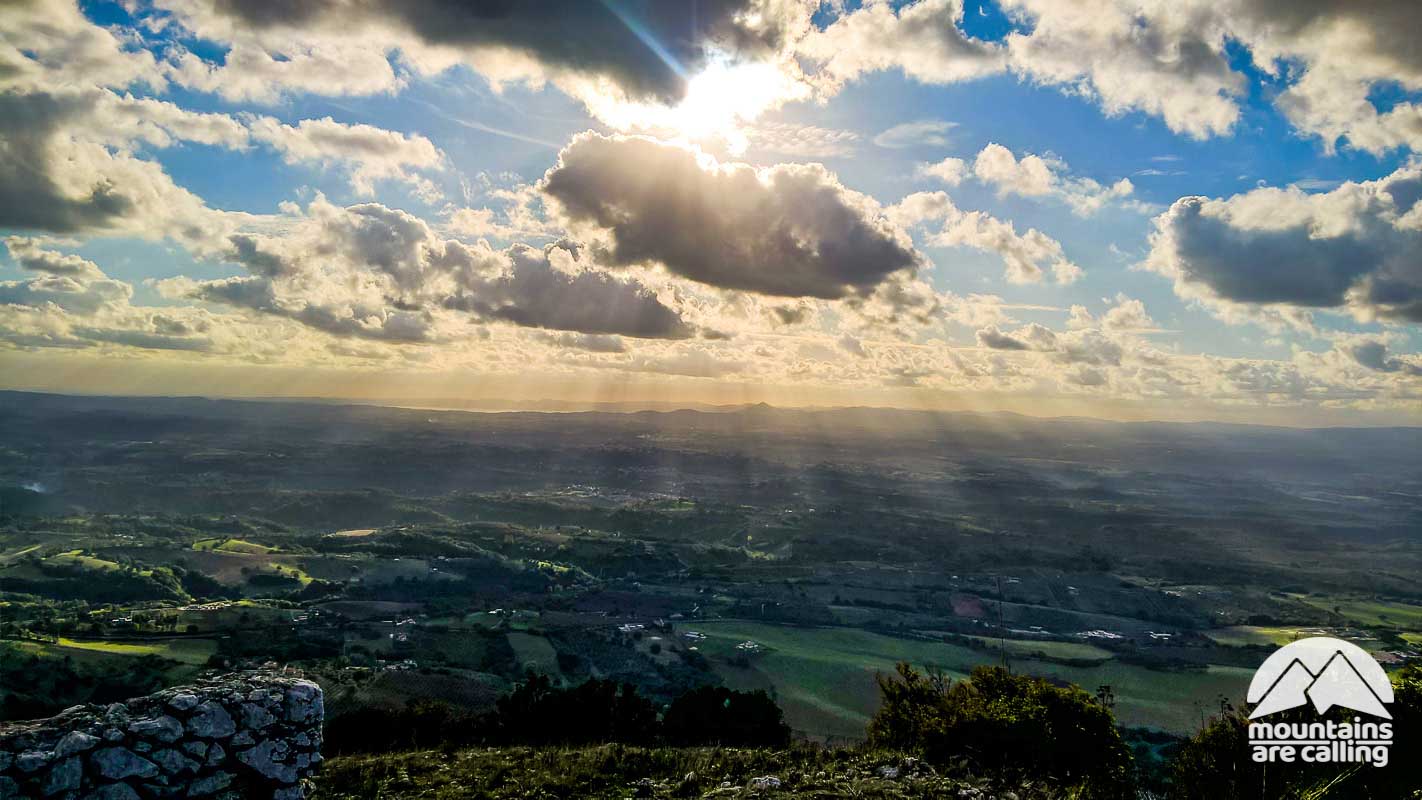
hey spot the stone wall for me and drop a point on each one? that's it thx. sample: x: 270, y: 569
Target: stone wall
x: 243, y: 735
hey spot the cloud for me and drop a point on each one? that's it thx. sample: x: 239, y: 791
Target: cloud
x: 950, y: 170
x: 924, y: 40
x: 995, y: 339
x: 64, y: 169
x: 30, y: 254
x: 1027, y: 256
x: 377, y: 273
x: 790, y: 230
x: 591, y: 342
x: 1165, y: 59
x: 1169, y: 60
x: 72, y: 304
x: 641, y: 52
x: 923, y: 133
x: 83, y: 295
x: 1126, y: 314
x: 1354, y: 247
x: 1172, y: 60
x: 1374, y: 355
x: 372, y: 153
x: 46, y: 44
x: 72, y: 165
x: 801, y: 141
x: 533, y: 292
x: 696, y: 363
x: 1034, y: 176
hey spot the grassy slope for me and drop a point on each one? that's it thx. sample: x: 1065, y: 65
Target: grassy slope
x: 613, y: 771
x: 194, y: 652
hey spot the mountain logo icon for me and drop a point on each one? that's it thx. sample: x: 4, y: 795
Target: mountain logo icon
x: 1324, y: 672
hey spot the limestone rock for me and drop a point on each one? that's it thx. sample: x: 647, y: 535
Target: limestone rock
x: 215, y: 782
x: 164, y: 728
x: 255, y: 716
x: 117, y: 763
x: 113, y: 791
x: 64, y: 776
x: 75, y: 742
x: 268, y: 759
x: 174, y: 762
x: 211, y: 721
x: 183, y: 701
x: 31, y: 760
x: 303, y: 701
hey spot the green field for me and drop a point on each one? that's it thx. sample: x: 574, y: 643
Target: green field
x: 534, y: 652
x: 1019, y: 648
x: 824, y: 677
x: 193, y: 652
x: 9, y: 558
x: 1370, y: 612
x: 1243, y: 635
x: 233, y: 546
x: 76, y: 558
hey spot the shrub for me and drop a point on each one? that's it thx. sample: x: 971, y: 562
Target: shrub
x: 1216, y: 761
x: 717, y: 715
x: 597, y: 711
x: 1007, y: 724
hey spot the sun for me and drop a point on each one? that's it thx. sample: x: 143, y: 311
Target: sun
x: 721, y: 101
x: 723, y: 97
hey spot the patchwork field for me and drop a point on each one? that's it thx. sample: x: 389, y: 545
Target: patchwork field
x: 1246, y: 635
x: 232, y: 546
x: 824, y: 677
x: 534, y: 653
x: 1370, y: 612
x: 193, y: 652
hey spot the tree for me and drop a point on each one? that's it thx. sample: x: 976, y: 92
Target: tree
x: 597, y: 711
x: 717, y: 715
x: 1012, y: 725
x: 1216, y: 762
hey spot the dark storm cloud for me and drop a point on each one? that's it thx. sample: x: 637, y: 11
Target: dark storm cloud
x: 1374, y: 355
x: 791, y: 230
x: 617, y: 39
x: 535, y: 294
x: 995, y: 339
x: 309, y: 277
x: 1359, y: 245
x: 1391, y: 25
x: 29, y: 197
x: 1267, y: 266
x: 377, y: 322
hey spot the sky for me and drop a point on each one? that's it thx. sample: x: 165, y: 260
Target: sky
x: 1128, y: 209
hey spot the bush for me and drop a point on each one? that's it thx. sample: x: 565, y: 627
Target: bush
x: 597, y: 711
x: 1011, y: 725
x: 419, y: 725
x: 717, y: 715
x: 1216, y: 761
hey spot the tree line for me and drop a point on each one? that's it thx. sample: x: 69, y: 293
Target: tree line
x: 1009, y: 727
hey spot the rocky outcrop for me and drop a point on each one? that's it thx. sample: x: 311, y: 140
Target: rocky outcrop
x: 244, y: 735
